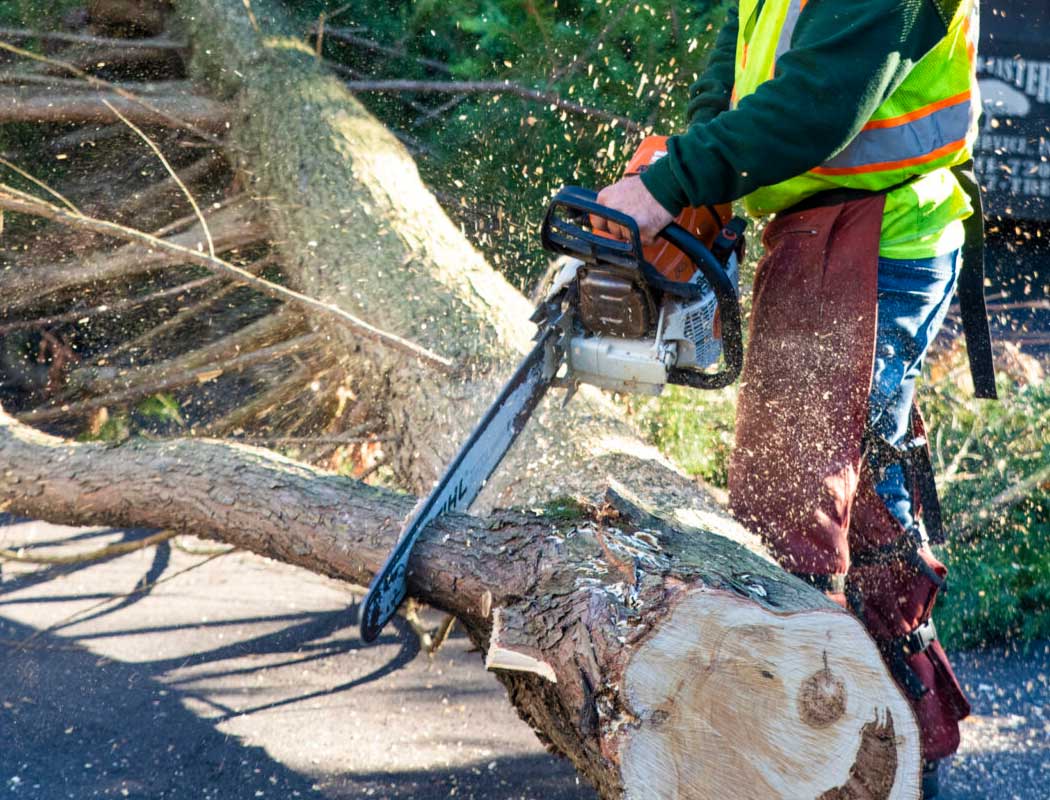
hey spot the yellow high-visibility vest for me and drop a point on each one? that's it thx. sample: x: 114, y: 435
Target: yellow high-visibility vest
x: 929, y: 122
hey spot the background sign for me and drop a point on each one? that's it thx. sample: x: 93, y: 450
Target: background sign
x: 1012, y: 155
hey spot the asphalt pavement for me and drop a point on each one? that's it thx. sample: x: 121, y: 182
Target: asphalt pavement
x: 233, y: 676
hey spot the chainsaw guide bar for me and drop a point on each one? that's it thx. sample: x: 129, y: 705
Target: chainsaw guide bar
x: 613, y: 320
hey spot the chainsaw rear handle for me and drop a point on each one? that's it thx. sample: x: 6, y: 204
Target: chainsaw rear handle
x: 729, y: 310
x: 561, y: 235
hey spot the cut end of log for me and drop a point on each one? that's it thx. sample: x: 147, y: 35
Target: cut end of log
x: 734, y: 700
x: 505, y: 657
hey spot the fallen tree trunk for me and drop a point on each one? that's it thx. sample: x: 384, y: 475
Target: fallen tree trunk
x: 665, y: 662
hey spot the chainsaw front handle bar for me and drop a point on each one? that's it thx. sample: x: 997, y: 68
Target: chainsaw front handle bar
x: 561, y: 235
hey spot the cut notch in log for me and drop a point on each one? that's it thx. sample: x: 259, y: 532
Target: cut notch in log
x: 503, y: 657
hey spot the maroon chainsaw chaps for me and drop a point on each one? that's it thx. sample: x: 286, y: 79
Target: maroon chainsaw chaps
x: 796, y: 474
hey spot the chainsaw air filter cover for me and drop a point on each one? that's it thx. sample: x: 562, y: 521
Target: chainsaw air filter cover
x: 614, y: 305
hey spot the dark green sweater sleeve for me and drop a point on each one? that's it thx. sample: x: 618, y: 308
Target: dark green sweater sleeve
x: 846, y: 57
x: 709, y: 96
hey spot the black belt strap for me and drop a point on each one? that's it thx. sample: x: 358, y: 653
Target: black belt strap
x: 971, y: 289
x: 914, y: 457
x: 920, y: 473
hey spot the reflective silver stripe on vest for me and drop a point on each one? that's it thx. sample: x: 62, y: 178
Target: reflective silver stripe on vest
x: 790, y: 21
x: 913, y: 139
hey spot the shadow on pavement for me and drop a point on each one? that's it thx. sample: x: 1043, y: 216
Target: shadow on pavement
x: 519, y: 778
x: 74, y: 725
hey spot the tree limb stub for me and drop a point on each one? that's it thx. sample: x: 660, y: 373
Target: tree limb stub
x: 713, y: 674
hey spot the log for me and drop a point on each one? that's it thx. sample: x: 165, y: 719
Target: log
x: 26, y: 105
x: 664, y: 661
x: 230, y: 228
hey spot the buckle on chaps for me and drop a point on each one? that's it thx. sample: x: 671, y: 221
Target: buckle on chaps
x: 897, y: 652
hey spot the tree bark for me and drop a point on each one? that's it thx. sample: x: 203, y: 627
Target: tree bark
x: 665, y: 662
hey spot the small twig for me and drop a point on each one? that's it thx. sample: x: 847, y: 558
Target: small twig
x: 442, y: 634
x: 182, y: 222
x: 106, y: 308
x: 368, y: 473
x: 305, y: 439
x: 950, y: 471
x: 16, y: 200
x: 410, y: 613
x: 99, y: 83
x: 350, y: 37
x: 109, y: 551
x: 319, y: 31
x: 492, y: 87
x: 41, y: 184
x: 1004, y: 501
x: 178, y: 544
x: 152, y: 194
x: 182, y: 315
x: 443, y: 108
x: 261, y: 405
x: 171, y: 172
x: 251, y: 15
x: 595, y: 45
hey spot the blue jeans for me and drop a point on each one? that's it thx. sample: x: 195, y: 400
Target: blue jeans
x: 914, y: 297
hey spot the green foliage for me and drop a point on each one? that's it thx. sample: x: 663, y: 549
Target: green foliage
x: 999, y: 587
x: 158, y: 414
x: 34, y: 14
x: 694, y: 428
x: 114, y: 429
x: 161, y: 408
x: 495, y: 159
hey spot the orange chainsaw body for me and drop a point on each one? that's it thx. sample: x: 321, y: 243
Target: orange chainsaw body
x: 669, y: 261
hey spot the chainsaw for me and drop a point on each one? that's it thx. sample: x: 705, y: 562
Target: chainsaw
x: 618, y: 316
